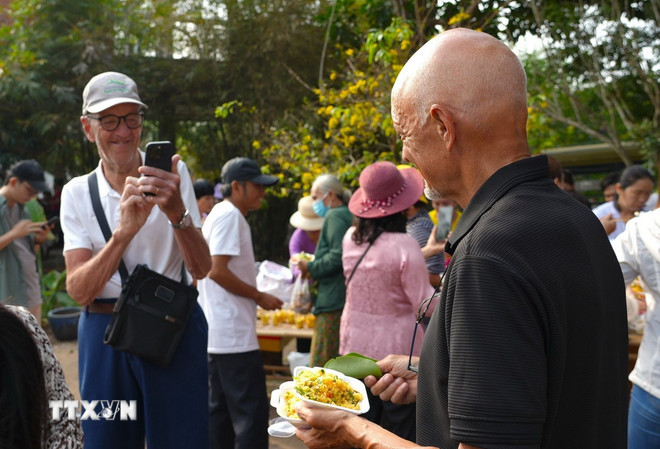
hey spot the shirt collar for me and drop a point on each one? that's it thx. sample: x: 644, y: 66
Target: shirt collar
x: 495, y: 187
x: 104, y: 186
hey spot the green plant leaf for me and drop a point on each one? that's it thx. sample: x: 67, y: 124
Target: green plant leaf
x: 355, y: 365
x: 62, y: 299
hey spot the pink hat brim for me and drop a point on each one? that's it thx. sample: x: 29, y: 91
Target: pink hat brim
x: 410, y: 195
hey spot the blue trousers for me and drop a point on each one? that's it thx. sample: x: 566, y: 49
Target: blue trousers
x: 238, y: 402
x: 643, y: 420
x: 172, y: 402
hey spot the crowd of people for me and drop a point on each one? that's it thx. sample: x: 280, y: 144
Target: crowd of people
x: 509, y: 331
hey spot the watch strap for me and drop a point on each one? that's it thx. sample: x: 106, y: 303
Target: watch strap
x: 184, y: 222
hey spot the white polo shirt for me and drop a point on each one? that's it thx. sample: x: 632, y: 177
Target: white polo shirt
x: 153, y: 245
x: 232, y: 319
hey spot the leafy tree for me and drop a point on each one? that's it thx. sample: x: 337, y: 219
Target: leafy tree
x: 43, y: 59
x: 602, y: 57
x: 347, y: 124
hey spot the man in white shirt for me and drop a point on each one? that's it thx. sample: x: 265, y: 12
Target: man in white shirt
x: 153, y: 218
x: 638, y: 251
x: 238, y: 402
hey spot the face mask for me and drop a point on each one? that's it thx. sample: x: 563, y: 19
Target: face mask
x: 319, y: 207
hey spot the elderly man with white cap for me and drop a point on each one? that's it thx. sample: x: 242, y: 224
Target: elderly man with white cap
x: 153, y: 220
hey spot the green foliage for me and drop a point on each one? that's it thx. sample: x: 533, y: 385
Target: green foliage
x: 349, y: 124
x: 305, y: 86
x: 604, y: 84
x: 44, y: 54
x: 53, y: 290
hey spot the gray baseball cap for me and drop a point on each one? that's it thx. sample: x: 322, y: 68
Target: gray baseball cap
x: 109, y: 89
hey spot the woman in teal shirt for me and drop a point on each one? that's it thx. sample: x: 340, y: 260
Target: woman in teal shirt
x: 330, y: 201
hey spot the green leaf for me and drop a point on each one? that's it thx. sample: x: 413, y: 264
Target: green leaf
x: 64, y: 300
x: 355, y: 365
x: 357, y: 354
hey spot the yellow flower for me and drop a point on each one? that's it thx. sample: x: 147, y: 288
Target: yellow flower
x: 333, y: 76
x: 350, y: 52
x: 460, y: 17
x: 256, y: 144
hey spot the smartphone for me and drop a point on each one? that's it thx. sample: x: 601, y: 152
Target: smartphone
x: 445, y: 214
x: 50, y: 222
x: 159, y: 155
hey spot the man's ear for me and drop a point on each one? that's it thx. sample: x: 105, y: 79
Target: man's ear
x: 87, y: 128
x: 234, y: 186
x: 444, y: 124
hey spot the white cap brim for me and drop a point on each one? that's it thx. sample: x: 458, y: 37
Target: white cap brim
x: 110, y: 102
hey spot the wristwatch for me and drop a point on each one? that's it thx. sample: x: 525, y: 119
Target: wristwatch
x: 185, y: 222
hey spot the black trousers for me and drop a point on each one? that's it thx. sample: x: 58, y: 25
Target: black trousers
x: 238, y: 402
x: 398, y: 419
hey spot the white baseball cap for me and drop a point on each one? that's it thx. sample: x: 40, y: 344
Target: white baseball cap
x: 109, y: 89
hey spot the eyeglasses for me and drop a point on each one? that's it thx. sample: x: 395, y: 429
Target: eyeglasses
x: 421, y: 316
x: 111, y: 122
x: 30, y: 190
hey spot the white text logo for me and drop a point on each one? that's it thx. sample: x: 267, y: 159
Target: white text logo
x: 94, y: 410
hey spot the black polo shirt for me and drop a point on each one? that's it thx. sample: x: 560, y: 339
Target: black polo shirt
x: 528, y: 346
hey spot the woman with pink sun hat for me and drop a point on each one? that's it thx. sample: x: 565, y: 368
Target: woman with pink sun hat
x: 386, y: 277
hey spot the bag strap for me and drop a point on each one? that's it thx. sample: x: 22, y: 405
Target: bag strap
x: 358, y: 263
x: 100, y: 217
x: 93, y: 183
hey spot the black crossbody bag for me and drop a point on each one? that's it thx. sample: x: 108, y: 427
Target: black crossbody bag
x: 152, y: 311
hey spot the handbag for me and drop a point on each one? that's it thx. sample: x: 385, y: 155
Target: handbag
x: 152, y: 311
x: 150, y: 316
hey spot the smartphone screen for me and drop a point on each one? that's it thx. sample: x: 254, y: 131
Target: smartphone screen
x: 51, y: 221
x: 159, y: 155
x: 445, y: 214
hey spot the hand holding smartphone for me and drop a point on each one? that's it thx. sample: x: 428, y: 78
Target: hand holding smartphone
x: 445, y: 215
x: 159, y: 155
x: 50, y: 222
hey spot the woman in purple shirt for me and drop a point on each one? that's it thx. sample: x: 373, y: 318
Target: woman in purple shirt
x: 308, y: 227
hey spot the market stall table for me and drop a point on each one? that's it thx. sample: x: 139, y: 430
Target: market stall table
x: 276, y: 340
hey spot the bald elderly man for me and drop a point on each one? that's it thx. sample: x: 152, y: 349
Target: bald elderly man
x: 527, y: 345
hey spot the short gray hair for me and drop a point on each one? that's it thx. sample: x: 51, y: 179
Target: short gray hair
x: 329, y: 183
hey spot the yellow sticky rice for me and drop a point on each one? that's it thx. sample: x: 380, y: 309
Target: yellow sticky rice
x: 322, y: 386
x: 290, y: 401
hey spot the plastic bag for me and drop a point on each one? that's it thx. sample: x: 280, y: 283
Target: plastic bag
x: 297, y: 359
x: 275, y: 279
x: 301, y: 298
